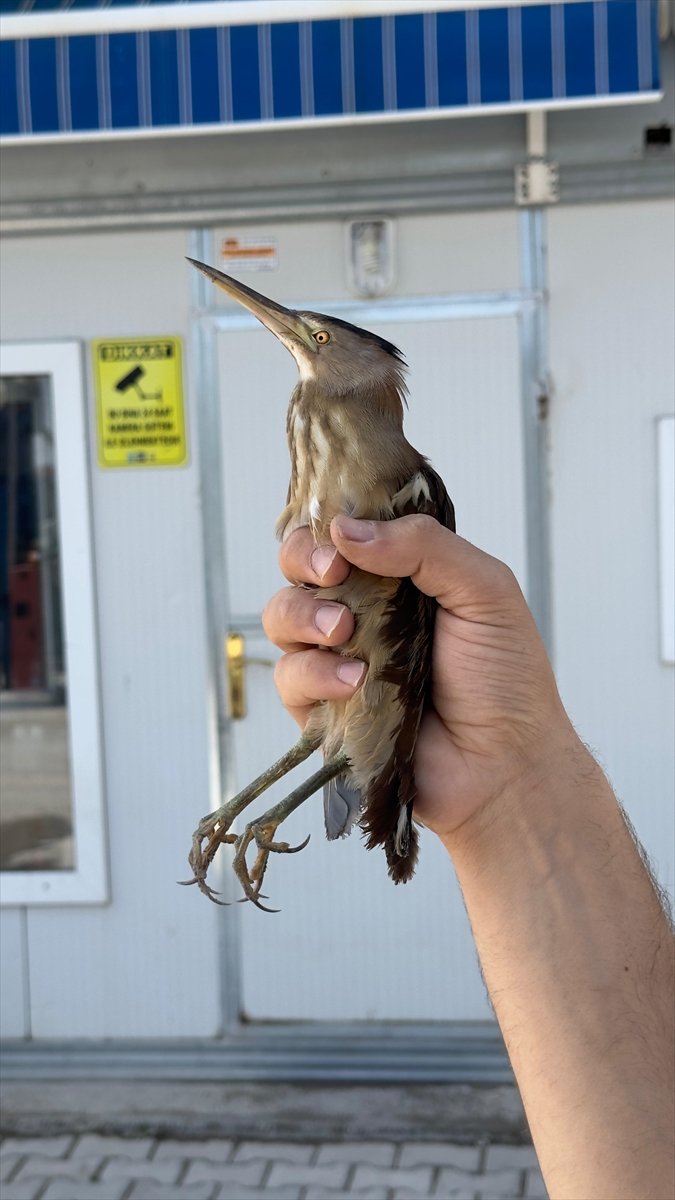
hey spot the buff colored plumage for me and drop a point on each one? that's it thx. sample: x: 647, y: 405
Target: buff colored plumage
x: 348, y: 455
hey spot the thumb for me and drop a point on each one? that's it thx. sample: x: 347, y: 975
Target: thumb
x: 462, y: 578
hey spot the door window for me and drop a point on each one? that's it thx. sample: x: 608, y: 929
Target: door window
x: 36, y: 811
x: 50, y: 768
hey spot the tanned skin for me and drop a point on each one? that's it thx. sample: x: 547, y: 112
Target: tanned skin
x: 576, y: 950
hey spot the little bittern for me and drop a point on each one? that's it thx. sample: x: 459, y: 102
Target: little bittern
x: 348, y: 455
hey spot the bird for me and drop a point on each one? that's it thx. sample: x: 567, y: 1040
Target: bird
x: 349, y: 455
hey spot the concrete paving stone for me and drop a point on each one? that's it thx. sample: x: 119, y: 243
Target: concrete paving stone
x: 535, y: 1188
x: 91, y: 1144
x: 519, y: 1157
x: 439, y: 1154
x: 377, y: 1154
x: 292, y: 1152
x: 498, y: 1185
x: 318, y: 1193
x: 244, y: 1173
x: 406, y: 1194
x: 414, y: 1179
x: 333, y: 1175
x: 233, y: 1191
x: 47, y: 1147
x: 65, y: 1189
x: 453, y: 1184
x: 27, y: 1190
x: 214, y: 1150
x: 79, y: 1169
x: 146, y: 1189
x: 8, y: 1165
x: 166, y: 1170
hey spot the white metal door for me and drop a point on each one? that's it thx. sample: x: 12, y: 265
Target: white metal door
x: 347, y: 944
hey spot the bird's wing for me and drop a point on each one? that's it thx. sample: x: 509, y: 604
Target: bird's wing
x: 426, y: 493
x: 387, y: 818
x: 341, y: 807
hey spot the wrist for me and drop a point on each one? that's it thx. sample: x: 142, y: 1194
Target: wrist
x: 538, y: 792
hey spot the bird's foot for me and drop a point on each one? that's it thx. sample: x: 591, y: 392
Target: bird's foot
x: 214, y: 829
x: 262, y: 832
x: 211, y: 833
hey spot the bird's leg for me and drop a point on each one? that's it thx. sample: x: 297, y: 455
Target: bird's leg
x: 213, y: 828
x: 264, y: 828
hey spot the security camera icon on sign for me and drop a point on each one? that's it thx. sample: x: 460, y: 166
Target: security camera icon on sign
x: 132, y: 380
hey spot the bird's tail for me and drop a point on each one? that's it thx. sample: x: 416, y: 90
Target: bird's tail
x: 388, y: 821
x: 341, y: 807
x: 401, y: 847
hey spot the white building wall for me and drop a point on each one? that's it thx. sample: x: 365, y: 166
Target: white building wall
x: 146, y: 965
x: 611, y: 342
x: 141, y: 966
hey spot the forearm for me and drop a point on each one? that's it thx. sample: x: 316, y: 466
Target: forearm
x: 578, y: 959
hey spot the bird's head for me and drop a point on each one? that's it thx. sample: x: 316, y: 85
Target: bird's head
x: 338, y: 357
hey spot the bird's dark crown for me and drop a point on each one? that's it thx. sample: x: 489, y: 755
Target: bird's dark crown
x: 382, y: 343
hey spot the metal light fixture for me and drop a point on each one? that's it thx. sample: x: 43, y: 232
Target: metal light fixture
x: 370, y: 256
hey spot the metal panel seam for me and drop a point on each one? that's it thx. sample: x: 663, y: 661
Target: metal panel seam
x: 534, y: 368
x: 213, y: 540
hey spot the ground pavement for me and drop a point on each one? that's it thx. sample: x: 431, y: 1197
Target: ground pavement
x: 95, y: 1167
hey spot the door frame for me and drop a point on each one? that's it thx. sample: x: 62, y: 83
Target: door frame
x: 528, y: 304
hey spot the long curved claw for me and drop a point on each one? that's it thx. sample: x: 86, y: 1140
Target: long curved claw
x: 251, y: 879
x: 262, y: 907
x: 210, y: 894
x: 213, y: 830
x: 204, y: 888
x: 280, y: 847
x: 250, y: 884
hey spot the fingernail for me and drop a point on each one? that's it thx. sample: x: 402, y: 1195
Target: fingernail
x: 322, y: 559
x: 326, y: 618
x: 351, y: 671
x: 355, y: 531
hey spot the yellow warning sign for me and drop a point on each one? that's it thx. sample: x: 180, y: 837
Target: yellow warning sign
x: 139, y: 402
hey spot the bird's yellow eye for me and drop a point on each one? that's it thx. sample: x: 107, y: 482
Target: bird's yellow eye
x: 321, y: 337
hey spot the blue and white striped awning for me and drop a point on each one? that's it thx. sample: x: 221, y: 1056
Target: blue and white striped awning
x: 73, y: 72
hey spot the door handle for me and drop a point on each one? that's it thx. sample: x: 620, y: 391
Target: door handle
x: 237, y: 660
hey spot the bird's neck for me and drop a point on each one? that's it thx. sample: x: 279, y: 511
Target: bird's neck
x: 348, y: 454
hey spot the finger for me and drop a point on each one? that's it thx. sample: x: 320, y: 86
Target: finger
x: 311, y: 675
x: 302, y: 561
x: 464, y: 579
x: 295, y: 618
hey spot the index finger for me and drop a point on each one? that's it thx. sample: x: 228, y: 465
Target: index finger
x: 302, y: 561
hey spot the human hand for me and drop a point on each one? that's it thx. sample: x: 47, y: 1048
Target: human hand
x: 495, y: 719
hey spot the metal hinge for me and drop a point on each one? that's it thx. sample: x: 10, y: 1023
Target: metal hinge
x: 537, y: 182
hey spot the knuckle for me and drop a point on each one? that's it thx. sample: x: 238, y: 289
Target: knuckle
x: 504, y: 578
x: 279, y: 616
x: 307, y: 665
x: 294, y: 551
x: 280, y: 672
x: 293, y: 670
x: 421, y: 525
x: 268, y: 616
x: 283, y: 606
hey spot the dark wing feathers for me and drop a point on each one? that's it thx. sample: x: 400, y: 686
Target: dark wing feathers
x: 387, y: 817
x: 439, y: 504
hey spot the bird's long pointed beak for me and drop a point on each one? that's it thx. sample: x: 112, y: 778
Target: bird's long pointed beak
x: 273, y: 316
